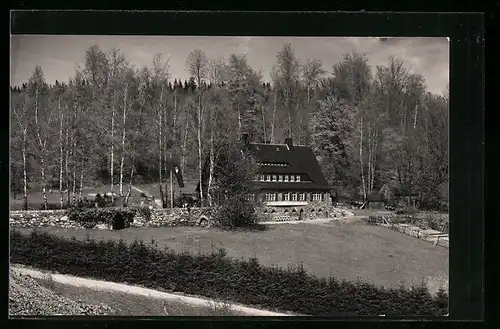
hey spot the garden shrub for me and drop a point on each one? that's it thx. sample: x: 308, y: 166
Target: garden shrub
x: 236, y: 212
x: 408, y: 210
x: 216, y: 276
x: 117, y: 218
x: 143, y: 211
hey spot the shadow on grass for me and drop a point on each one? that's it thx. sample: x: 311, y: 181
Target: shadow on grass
x: 249, y: 228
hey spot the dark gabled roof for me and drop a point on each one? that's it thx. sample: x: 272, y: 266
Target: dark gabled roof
x: 297, y: 186
x: 376, y: 197
x: 300, y: 160
x: 398, y: 190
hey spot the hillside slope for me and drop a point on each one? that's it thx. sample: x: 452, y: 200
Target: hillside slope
x: 28, y: 298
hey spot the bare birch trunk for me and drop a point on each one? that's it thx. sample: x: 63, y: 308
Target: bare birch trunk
x: 66, y: 166
x: 370, y: 154
x: 373, y: 156
x: 183, y: 148
x: 415, y: 117
x: 239, y: 121
x: 74, y: 173
x: 200, y: 159
x: 264, y: 124
x: 361, y: 157
x: 129, y: 191
x: 80, y: 192
x: 44, y: 189
x: 42, y: 152
x: 122, y: 160
x: 211, y: 171
x: 165, y: 157
x: 25, y: 176
x: 274, y: 119
x: 200, y: 162
x: 289, y: 114
x: 160, y: 147
x: 24, y: 129
x: 61, y: 156
x: 112, y: 161
x: 171, y: 188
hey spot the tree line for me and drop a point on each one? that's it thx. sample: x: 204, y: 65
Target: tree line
x: 116, y: 124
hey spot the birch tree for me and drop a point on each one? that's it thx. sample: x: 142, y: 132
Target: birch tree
x: 197, y: 65
x: 159, y: 85
x: 286, y: 77
x: 352, y: 79
x: 41, y: 124
x: 125, y: 103
x: 117, y: 62
x: 20, y: 110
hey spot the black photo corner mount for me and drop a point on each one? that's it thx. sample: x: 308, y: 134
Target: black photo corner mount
x: 467, y: 112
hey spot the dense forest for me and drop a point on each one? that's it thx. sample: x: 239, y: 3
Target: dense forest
x: 115, y: 124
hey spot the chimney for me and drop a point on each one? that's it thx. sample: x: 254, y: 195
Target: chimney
x: 245, y: 139
x: 289, y: 143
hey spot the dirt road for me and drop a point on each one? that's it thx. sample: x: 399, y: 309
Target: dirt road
x: 135, y: 290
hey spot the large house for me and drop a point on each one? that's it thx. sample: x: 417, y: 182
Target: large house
x: 290, y: 182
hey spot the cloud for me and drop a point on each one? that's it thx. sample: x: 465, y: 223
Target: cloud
x: 58, y: 54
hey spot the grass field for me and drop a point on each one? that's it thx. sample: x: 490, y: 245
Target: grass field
x: 345, y: 250
x: 131, y: 305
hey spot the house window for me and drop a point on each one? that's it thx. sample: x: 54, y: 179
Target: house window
x: 294, y: 196
x: 268, y: 178
x: 302, y: 197
x: 286, y: 178
x: 274, y: 178
x: 280, y: 196
x: 280, y: 178
x: 292, y: 178
x: 316, y: 197
x: 297, y: 178
x: 250, y: 197
x: 270, y: 197
x: 286, y: 196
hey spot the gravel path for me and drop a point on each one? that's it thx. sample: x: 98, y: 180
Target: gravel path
x: 28, y: 298
x: 135, y: 290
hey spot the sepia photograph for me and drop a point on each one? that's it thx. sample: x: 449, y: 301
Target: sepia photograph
x: 228, y: 176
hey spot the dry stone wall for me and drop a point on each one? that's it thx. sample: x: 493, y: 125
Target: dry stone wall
x: 310, y: 211
x: 159, y: 218
x: 174, y: 217
x: 41, y: 218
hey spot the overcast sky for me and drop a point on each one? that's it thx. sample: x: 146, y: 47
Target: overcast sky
x: 59, y: 55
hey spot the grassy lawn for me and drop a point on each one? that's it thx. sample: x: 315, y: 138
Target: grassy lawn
x: 345, y: 250
x: 132, y: 305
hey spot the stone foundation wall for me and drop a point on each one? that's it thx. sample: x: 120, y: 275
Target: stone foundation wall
x: 174, y: 217
x: 41, y: 218
x: 159, y: 218
x: 311, y: 211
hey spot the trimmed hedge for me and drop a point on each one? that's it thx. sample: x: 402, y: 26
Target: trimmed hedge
x: 217, y: 276
x: 117, y: 218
